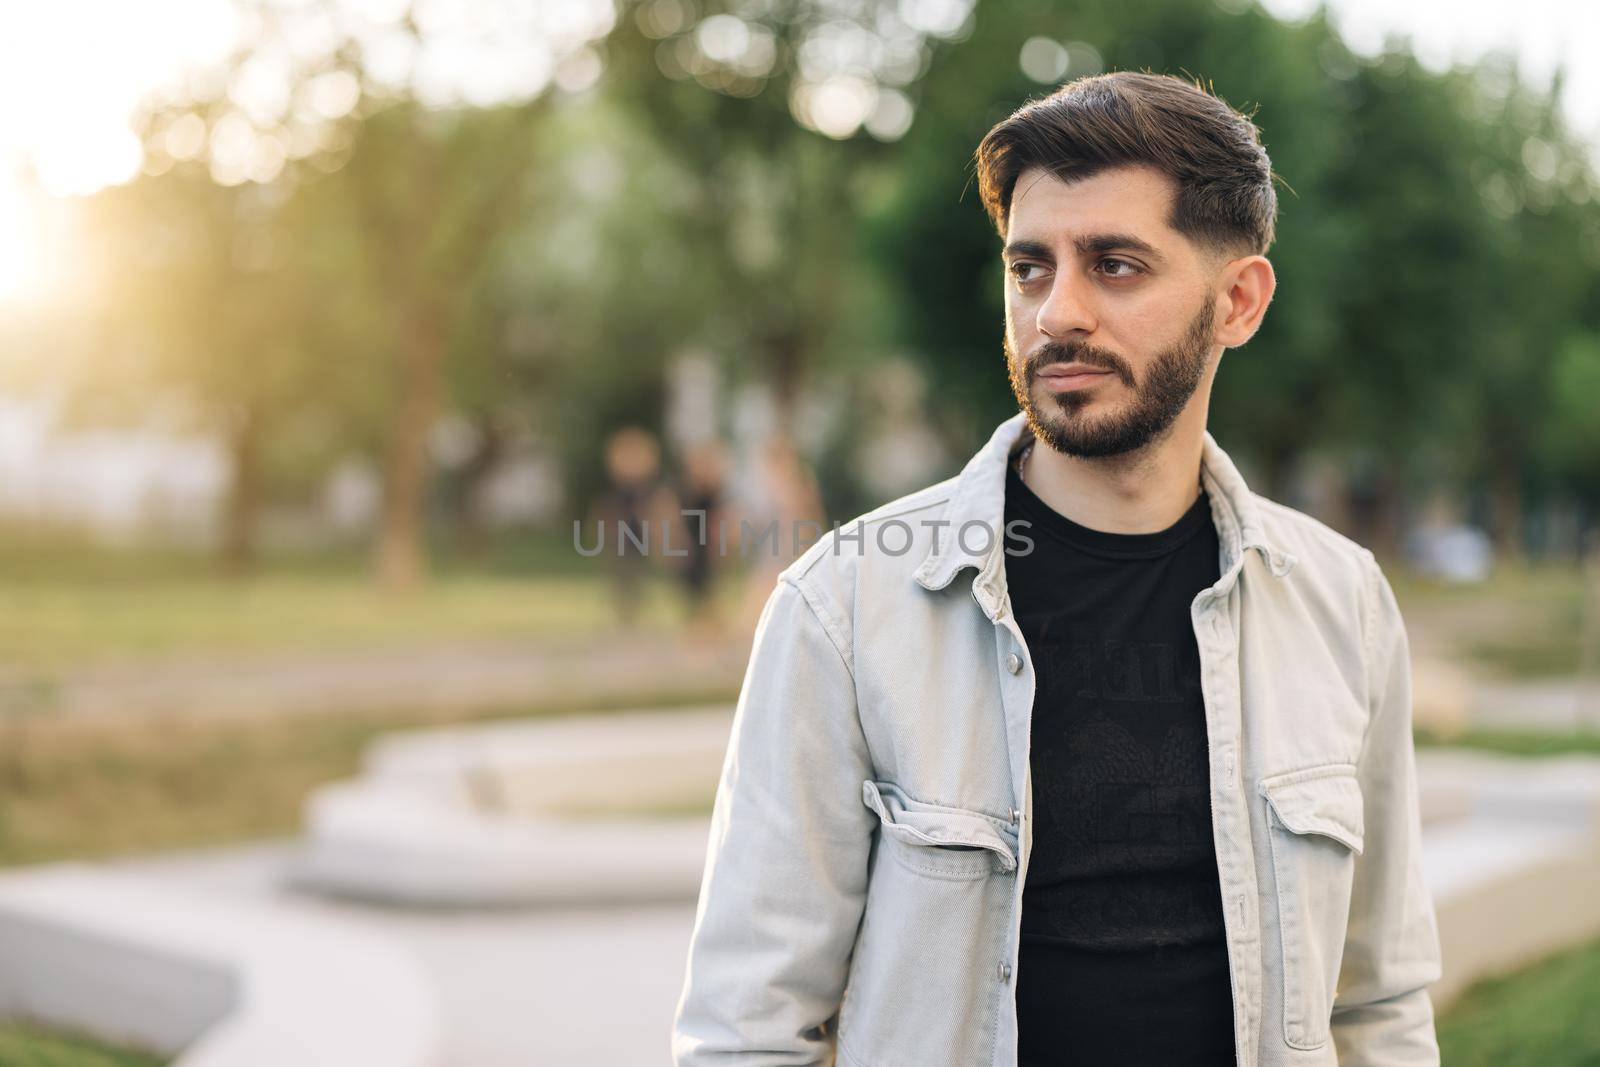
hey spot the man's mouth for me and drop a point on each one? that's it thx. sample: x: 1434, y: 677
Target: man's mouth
x: 1074, y: 377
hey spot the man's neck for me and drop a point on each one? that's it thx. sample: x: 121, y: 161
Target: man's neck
x: 1141, y: 492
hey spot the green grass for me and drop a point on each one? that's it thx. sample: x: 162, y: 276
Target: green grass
x: 65, y: 602
x: 1527, y: 583
x: 79, y: 793
x: 56, y: 625
x: 1522, y: 622
x: 70, y: 604
x: 1542, y: 1016
x: 1542, y: 652
x: 48, y: 555
x: 25, y: 1046
x: 1516, y: 742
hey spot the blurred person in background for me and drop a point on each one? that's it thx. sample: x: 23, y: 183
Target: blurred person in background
x: 1136, y: 788
x: 634, y: 501
x: 705, y: 513
x: 789, y: 505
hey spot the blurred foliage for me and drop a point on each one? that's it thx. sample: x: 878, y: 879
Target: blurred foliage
x: 529, y: 271
x: 1429, y: 279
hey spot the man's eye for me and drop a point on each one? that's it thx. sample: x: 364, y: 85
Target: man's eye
x: 1018, y: 268
x: 1125, y: 269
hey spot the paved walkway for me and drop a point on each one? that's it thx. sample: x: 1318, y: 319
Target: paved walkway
x: 581, y: 985
x: 434, y: 677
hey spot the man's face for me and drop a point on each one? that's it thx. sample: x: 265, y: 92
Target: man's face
x: 1095, y: 277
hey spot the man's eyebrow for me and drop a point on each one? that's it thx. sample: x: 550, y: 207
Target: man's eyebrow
x: 1092, y: 243
x: 1032, y: 249
x: 1085, y: 245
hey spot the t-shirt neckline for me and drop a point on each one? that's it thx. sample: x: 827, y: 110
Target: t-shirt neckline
x: 1102, y: 542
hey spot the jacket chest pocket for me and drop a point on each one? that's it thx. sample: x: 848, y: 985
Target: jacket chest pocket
x: 924, y: 984
x: 940, y: 841
x: 1314, y: 819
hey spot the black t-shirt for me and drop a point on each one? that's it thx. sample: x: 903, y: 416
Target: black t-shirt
x: 1123, y: 959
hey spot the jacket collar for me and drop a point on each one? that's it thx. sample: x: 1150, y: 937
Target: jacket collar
x: 980, y: 491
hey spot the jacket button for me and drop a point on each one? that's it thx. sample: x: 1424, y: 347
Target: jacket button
x: 1004, y: 971
x: 1013, y: 662
x: 1015, y: 815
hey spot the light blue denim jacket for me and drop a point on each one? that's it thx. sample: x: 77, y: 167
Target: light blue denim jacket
x: 862, y: 891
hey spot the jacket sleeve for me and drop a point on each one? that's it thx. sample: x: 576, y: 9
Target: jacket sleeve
x: 785, y: 878
x: 1382, y: 1013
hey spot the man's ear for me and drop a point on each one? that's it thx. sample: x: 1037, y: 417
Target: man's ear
x: 1246, y: 289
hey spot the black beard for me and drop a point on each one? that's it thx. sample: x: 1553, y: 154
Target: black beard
x: 1173, y: 377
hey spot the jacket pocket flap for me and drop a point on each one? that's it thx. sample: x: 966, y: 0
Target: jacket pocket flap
x: 1319, y: 801
x: 932, y: 825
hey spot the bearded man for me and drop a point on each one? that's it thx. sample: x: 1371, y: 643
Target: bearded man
x: 1088, y: 754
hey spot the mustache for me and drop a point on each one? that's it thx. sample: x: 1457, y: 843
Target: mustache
x: 1053, y: 352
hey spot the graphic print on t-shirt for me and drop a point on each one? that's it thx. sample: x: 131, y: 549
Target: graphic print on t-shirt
x: 1119, y: 764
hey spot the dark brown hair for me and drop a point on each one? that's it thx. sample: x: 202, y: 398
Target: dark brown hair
x: 1225, y: 200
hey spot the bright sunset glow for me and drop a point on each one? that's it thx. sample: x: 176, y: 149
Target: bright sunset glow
x: 71, y: 74
x: 19, y: 251
x: 73, y: 71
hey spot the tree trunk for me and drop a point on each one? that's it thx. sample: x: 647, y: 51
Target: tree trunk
x: 1505, y: 490
x: 472, y: 529
x: 402, y: 556
x: 243, y: 505
x: 787, y: 353
x: 1386, y: 535
x: 1277, y: 463
x: 1375, y: 513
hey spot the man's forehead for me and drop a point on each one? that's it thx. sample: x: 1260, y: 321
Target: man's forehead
x: 1133, y: 199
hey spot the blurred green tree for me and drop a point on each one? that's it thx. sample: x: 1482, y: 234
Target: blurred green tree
x: 788, y: 186
x: 200, y: 308
x: 1423, y: 286
x: 431, y: 193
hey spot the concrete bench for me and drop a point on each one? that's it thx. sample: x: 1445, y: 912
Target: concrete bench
x: 552, y: 811
x: 209, y: 980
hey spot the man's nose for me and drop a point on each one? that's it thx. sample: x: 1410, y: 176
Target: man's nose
x: 1066, y: 308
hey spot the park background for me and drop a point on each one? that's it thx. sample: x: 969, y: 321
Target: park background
x: 320, y: 323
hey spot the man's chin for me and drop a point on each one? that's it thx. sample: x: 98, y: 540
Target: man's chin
x: 1068, y: 417
x: 1053, y: 428
x: 1072, y: 435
